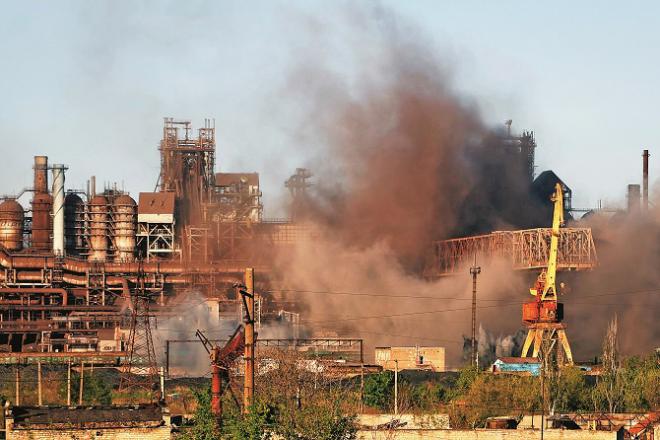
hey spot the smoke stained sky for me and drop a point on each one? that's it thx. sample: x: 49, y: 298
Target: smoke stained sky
x: 88, y: 83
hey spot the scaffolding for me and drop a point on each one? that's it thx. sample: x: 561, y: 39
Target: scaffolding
x: 524, y: 249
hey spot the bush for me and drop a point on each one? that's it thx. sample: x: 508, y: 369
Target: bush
x: 379, y: 390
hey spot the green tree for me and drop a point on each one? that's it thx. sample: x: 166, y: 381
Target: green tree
x: 379, y: 390
x: 96, y: 388
x: 257, y: 424
x: 205, y: 426
x: 569, y: 390
x: 320, y: 421
x: 466, y: 378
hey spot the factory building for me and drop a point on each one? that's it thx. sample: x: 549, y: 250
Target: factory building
x: 411, y: 358
x: 70, y: 258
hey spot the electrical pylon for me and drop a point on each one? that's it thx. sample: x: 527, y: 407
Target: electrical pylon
x: 139, y: 371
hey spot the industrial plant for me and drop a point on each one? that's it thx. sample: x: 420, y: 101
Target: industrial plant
x: 89, y: 274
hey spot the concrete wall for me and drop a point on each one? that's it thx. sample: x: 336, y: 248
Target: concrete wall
x: 160, y: 433
x: 413, y: 421
x: 485, y: 434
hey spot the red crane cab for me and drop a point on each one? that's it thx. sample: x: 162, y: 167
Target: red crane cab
x: 542, y: 311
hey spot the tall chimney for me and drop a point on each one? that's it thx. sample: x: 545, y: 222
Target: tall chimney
x: 645, y: 182
x: 92, y: 181
x: 58, y: 209
x: 40, y: 175
x: 633, y: 198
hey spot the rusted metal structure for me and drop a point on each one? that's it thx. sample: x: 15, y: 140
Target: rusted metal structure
x: 67, y: 269
x: 523, y: 250
x: 12, y: 217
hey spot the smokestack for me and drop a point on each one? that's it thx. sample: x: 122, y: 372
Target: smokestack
x: 40, y: 175
x: 645, y: 182
x: 633, y: 198
x: 58, y: 209
x: 92, y: 181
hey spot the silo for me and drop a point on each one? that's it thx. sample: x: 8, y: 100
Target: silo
x: 98, y: 228
x: 73, y: 233
x: 42, y: 222
x: 124, y: 227
x: 11, y: 225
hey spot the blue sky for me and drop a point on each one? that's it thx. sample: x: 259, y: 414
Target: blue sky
x: 88, y: 82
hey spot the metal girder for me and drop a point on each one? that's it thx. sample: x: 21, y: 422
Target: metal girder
x: 526, y: 249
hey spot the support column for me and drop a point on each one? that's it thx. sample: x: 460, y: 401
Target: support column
x: 248, y: 388
x: 216, y: 385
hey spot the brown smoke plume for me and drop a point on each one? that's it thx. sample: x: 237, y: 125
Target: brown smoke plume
x: 393, y: 171
x: 626, y: 283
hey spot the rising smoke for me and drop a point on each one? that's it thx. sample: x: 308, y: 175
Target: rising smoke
x: 400, y: 159
x: 395, y: 167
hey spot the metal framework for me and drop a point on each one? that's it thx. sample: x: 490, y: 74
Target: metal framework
x: 187, y: 166
x: 158, y: 240
x: 139, y: 371
x: 526, y: 249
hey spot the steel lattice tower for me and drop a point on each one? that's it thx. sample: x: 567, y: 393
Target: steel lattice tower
x: 139, y: 371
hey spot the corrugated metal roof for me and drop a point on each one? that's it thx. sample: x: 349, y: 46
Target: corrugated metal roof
x: 228, y: 179
x: 519, y: 360
x: 156, y: 203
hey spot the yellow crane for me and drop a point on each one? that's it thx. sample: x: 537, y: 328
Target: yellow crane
x: 543, y: 317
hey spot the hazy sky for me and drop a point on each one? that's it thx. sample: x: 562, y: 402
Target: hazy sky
x: 88, y: 82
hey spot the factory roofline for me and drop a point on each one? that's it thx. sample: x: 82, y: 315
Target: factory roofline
x: 156, y: 203
x: 227, y: 179
x: 137, y: 415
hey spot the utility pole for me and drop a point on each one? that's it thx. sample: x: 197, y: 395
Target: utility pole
x: 645, y: 181
x: 396, y: 387
x: 18, y: 386
x: 474, y: 271
x: 68, y: 383
x: 39, y: 383
x: 82, y: 383
x: 248, y: 302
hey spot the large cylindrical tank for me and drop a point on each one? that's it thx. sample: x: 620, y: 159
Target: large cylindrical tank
x: 42, y: 221
x: 98, y: 228
x: 73, y: 232
x: 11, y: 225
x: 125, y: 227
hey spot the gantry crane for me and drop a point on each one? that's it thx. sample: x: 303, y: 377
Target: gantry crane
x: 543, y: 317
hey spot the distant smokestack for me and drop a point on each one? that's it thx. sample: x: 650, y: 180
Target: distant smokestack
x: 92, y: 181
x: 633, y: 198
x: 58, y: 209
x: 40, y: 174
x: 645, y: 182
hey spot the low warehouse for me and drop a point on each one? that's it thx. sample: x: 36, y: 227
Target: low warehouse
x: 148, y: 422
